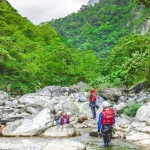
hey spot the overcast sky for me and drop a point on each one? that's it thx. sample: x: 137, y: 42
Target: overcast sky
x: 44, y: 10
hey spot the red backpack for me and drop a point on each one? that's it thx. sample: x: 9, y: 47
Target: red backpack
x: 65, y: 119
x: 108, y: 116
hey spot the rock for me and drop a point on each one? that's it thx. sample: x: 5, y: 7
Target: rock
x: 143, y: 143
x: 137, y: 136
x: 99, y: 101
x: 10, y: 104
x: 34, y: 98
x: 65, y: 145
x: 111, y: 93
x: 84, y: 109
x: 3, y: 95
x: 122, y: 99
x: 142, y: 97
x: 93, y: 133
x: 119, y: 107
x: 66, y: 130
x: 31, y: 126
x: 1, y: 128
x: 137, y: 88
x: 52, y: 91
x: 143, y: 113
x: 82, y: 118
x: 82, y: 97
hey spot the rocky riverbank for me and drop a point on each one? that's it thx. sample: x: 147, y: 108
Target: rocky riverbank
x: 33, y: 114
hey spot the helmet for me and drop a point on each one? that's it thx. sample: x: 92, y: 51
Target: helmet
x: 68, y: 113
x: 92, y: 90
x: 105, y: 104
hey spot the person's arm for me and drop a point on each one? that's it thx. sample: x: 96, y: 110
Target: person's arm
x: 99, y: 122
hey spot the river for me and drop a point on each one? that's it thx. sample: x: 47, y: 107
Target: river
x: 38, y: 143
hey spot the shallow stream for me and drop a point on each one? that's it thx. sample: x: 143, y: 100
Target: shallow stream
x: 92, y: 143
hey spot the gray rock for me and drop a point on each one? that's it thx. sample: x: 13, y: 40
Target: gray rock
x: 31, y: 126
x: 65, y: 145
x: 66, y: 130
x: 111, y: 93
x: 99, y: 101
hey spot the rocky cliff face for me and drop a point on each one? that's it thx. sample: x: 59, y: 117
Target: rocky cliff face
x: 92, y: 2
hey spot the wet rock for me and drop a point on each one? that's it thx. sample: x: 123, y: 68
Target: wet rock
x: 65, y: 145
x: 82, y: 118
x: 66, y: 130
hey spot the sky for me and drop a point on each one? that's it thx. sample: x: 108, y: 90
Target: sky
x: 38, y: 11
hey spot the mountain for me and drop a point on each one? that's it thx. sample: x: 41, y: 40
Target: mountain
x: 92, y: 2
x: 33, y: 56
x: 99, y: 27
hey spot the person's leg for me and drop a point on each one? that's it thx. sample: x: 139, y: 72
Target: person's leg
x: 94, y: 112
x: 104, y: 139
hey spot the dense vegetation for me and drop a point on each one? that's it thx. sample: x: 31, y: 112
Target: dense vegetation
x: 99, y: 28
x: 32, y: 56
x: 36, y: 56
x: 110, y: 26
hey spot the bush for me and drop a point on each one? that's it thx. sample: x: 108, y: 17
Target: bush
x: 131, y: 109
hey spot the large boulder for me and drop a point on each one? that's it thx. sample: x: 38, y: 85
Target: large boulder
x: 35, y: 98
x: 99, y: 101
x: 65, y: 145
x: 135, y: 136
x: 111, y: 93
x: 3, y: 95
x: 118, y: 108
x: 29, y: 126
x: 143, y: 113
x: 52, y: 91
x: 66, y: 130
x: 82, y: 118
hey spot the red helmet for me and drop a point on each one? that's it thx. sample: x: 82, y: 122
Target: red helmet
x: 92, y: 90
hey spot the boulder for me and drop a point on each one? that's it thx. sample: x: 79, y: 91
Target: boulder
x: 143, y: 113
x: 99, y: 101
x: 66, y: 130
x: 82, y: 118
x: 111, y: 93
x: 3, y: 95
x: 29, y: 126
x: 119, y: 107
x: 82, y: 97
x: 65, y: 145
x: 135, y: 136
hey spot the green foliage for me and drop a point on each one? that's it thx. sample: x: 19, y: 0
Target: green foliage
x: 99, y: 27
x: 32, y: 56
x: 129, y: 60
x: 144, y: 2
x: 131, y: 109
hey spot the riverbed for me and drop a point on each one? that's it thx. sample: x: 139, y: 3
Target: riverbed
x: 39, y: 142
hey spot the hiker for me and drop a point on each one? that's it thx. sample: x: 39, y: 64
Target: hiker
x: 92, y: 99
x: 105, y: 122
x: 65, y: 118
x: 58, y: 117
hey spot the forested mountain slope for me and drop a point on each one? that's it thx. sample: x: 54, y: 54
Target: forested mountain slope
x: 99, y: 27
x: 36, y: 56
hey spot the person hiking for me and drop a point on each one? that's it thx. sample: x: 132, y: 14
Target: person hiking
x: 105, y: 122
x: 65, y: 118
x: 92, y: 99
x: 58, y: 117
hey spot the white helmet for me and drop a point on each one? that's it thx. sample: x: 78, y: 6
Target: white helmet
x: 105, y: 104
x: 68, y: 113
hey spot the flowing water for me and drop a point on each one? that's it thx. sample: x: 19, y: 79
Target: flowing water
x: 92, y: 143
